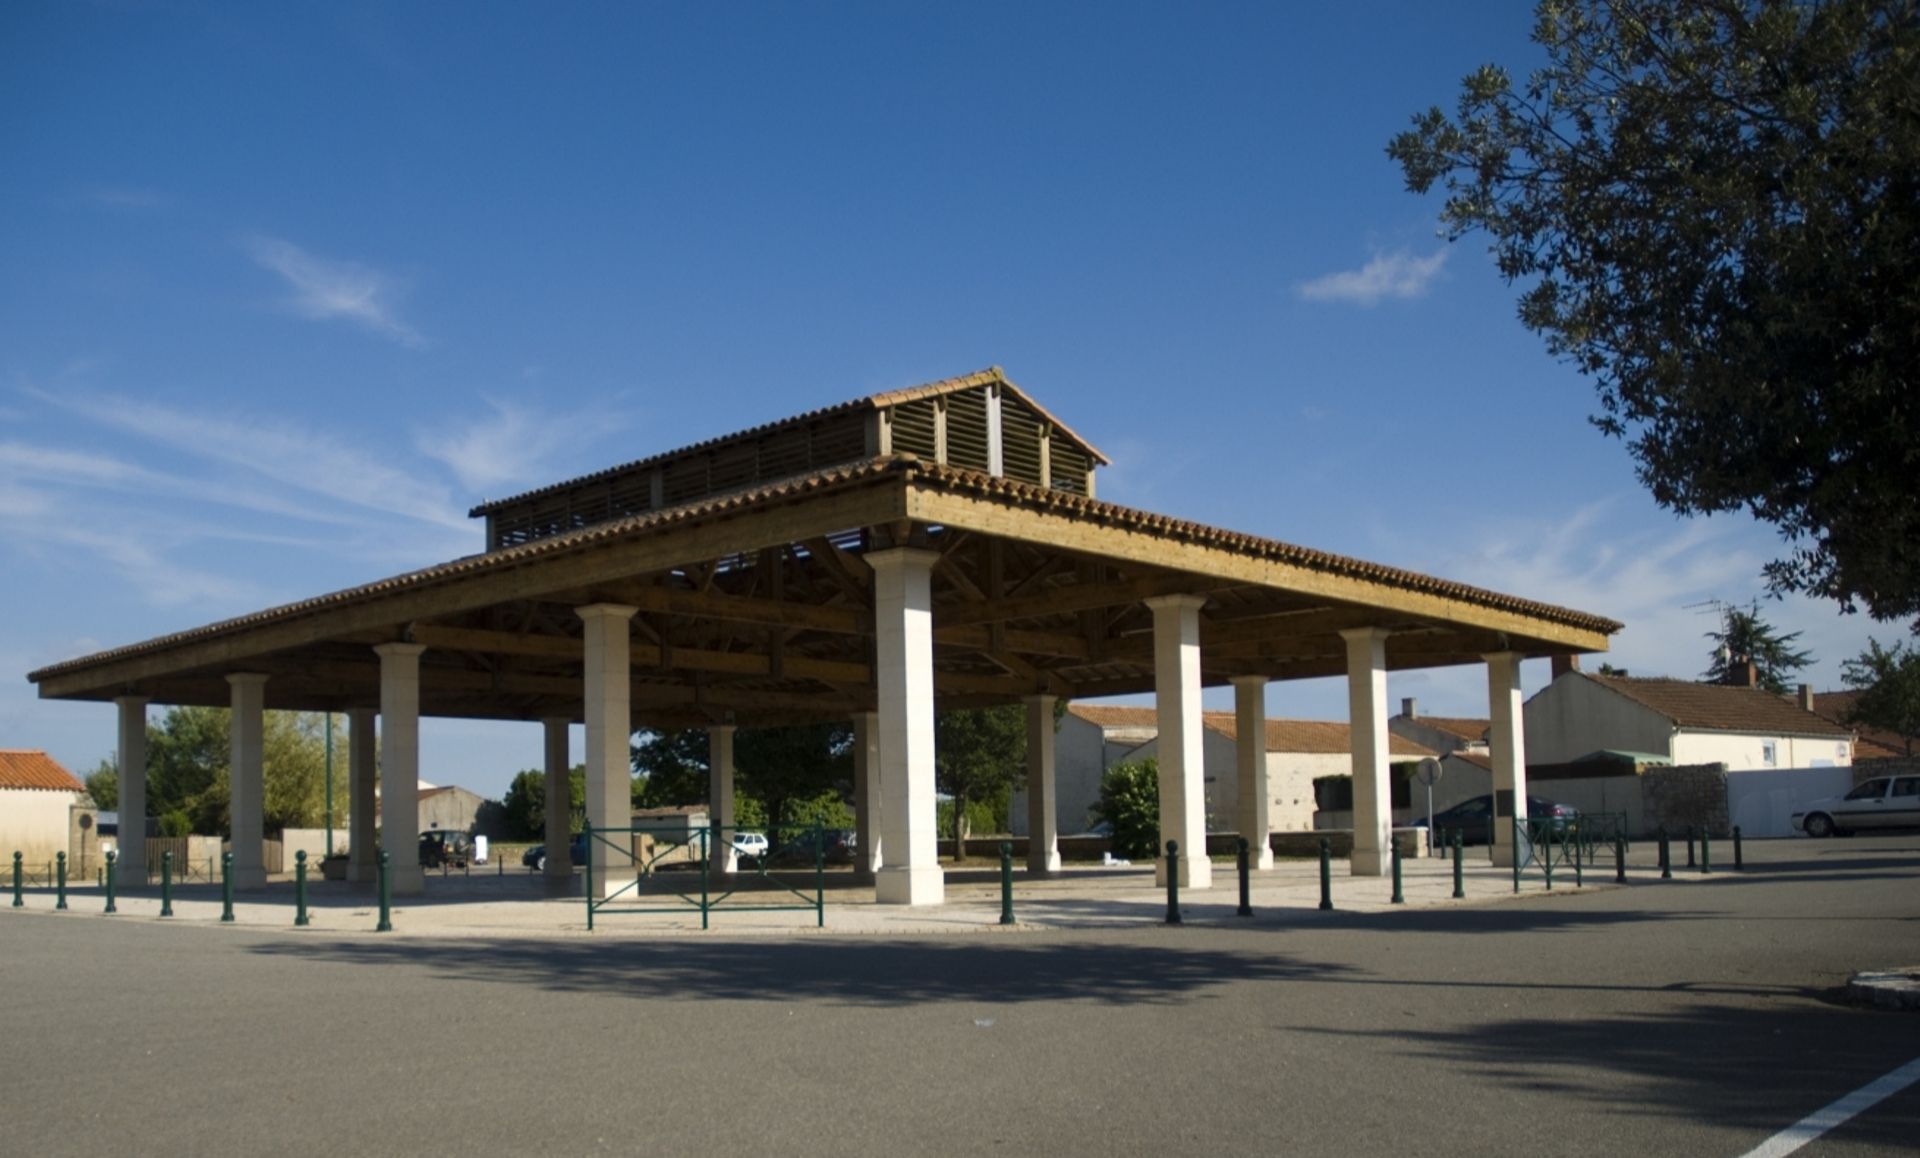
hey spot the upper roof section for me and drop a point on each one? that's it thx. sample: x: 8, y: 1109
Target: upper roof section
x: 1720, y: 707
x: 32, y: 768
x: 1870, y: 743
x: 979, y: 421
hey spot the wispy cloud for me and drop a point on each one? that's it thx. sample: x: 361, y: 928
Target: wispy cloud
x: 1388, y: 275
x: 124, y: 197
x: 509, y: 446
x: 324, y: 289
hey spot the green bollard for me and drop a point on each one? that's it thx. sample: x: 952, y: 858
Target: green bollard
x: 1459, y: 880
x: 61, y: 894
x: 1006, y: 883
x: 1619, y: 860
x: 166, y: 883
x: 1173, y: 882
x: 300, y: 889
x: 226, y: 888
x: 1579, y: 872
x: 111, y: 857
x: 386, y: 896
x: 1706, y: 851
x: 1546, y: 862
x: 1398, y: 898
x: 1666, y: 857
x: 1739, y: 862
x: 1246, y: 879
x: 18, y: 900
x: 1690, y: 846
x: 1326, y: 874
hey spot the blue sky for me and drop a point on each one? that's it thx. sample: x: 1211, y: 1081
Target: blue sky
x: 284, y: 290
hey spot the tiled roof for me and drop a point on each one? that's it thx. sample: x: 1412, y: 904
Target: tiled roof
x: 1870, y: 743
x: 1464, y: 727
x: 32, y: 768
x: 870, y: 472
x: 1477, y: 759
x: 992, y: 374
x: 1324, y: 737
x: 1719, y: 707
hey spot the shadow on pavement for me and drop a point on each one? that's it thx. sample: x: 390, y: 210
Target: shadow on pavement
x: 860, y: 972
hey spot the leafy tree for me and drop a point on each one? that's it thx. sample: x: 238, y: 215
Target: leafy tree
x: 1130, y: 804
x: 187, y: 769
x: 977, y: 754
x: 524, y: 808
x: 1743, y: 637
x: 1714, y: 206
x: 103, y: 785
x: 780, y: 774
x: 670, y: 768
x: 1889, y: 683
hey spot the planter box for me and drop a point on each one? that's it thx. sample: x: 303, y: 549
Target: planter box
x: 333, y: 868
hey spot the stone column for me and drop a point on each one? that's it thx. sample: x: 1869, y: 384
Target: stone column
x: 1176, y: 692
x: 609, y: 704
x: 903, y: 644
x: 559, y: 799
x: 1367, y: 731
x: 866, y: 795
x: 400, y: 766
x: 1251, y: 809
x: 133, y: 790
x: 363, y: 803
x: 1506, y: 746
x: 720, y: 850
x: 1043, y: 823
x: 247, y: 780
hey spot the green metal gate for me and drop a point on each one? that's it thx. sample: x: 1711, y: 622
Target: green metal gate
x: 691, y: 846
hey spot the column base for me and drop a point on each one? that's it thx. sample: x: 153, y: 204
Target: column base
x: 405, y: 880
x: 130, y: 875
x: 1261, y: 857
x: 1046, y: 863
x: 561, y: 873
x: 1371, y: 862
x: 910, y: 885
x: 249, y: 877
x: 1503, y: 855
x: 362, y: 872
x: 1196, y: 872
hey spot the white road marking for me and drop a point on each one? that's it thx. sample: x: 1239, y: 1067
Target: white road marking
x: 1826, y: 1118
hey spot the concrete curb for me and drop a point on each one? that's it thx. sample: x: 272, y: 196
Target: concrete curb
x: 1886, y: 988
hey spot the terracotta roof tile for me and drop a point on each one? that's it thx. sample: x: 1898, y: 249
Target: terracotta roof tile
x: 1325, y: 737
x: 1870, y: 743
x: 1465, y: 727
x: 1720, y: 708
x: 32, y: 768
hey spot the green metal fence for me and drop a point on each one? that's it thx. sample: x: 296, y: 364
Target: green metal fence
x: 672, y: 872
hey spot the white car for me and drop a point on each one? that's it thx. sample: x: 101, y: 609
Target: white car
x: 1882, y: 802
x: 750, y: 844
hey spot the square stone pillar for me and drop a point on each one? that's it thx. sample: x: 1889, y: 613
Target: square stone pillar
x: 1253, y: 804
x: 400, y: 766
x: 1176, y: 692
x: 1506, y: 746
x: 720, y: 851
x: 132, y: 759
x: 558, y: 796
x: 246, y: 824
x: 363, y: 803
x: 1367, y: 729
x: 903, y: 646
x: 866, y: 795
x: 1043, y: 822
x: 609, y: 704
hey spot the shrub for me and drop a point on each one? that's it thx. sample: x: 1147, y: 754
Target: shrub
x: 1130, y: 804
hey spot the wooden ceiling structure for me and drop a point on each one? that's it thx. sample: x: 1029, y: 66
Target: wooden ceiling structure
x: 756, y: 605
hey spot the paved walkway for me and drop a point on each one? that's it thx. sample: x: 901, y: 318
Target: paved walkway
x: 488, y: 904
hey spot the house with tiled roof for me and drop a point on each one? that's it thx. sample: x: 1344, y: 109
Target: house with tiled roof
x: 1869, y: 742
x: 1684, y: 722
x: 1442, y: 734
x: 1093, y: 737
x: 41, y: 807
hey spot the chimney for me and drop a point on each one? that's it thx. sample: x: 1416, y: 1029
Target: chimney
x: 1806, y: 697
x: 1748, y: 675
x: 1409, y: 707
x: 1562, y: 664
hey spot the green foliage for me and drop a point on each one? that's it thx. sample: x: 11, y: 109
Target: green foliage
x: 670, y: 768
x: 1889, y: 683
x: 977, y: 755
x: 1714, y: 207
x: 1130, y: 803
x: 176, y: 823
x: 524, y: 808
x: 187, y: 769
x: 103, y: 785
x: 780, y: 774
x: 1745, y: 636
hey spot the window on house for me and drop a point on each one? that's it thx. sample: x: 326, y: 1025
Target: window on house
x: 1769, y: 755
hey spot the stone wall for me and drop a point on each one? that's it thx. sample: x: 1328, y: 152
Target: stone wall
x: 1685, y: 796
x: 1891, y: 766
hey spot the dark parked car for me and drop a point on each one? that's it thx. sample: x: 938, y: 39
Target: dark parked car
x: 535, y: 858
x: 440, y: 848
x: 1470, y: 818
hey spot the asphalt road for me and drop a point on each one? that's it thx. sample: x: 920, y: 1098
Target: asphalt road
x: 1693, y: 1018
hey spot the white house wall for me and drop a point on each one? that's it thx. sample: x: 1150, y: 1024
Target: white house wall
x: 33, y: 822
x: 1739, y: 750
x: 1574, y: 717
x: 1080, y: 756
